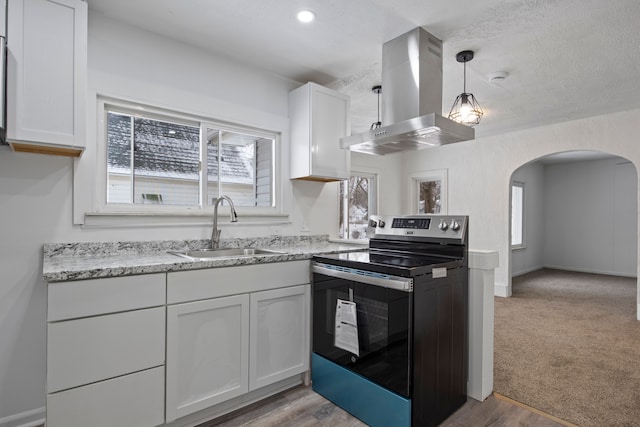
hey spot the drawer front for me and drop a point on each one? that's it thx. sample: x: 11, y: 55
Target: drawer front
x: 68, y: 300
x: 96, y: 348
x: 184, y: 286
x: 135, y: 400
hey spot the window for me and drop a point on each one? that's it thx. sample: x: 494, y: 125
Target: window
x: 357, y: 202
x: 517, y: 214
x: 171, y: 160
x: 429, y: 192
x: 429, y: 197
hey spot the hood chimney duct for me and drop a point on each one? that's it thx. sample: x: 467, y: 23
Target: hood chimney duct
x: 412, y: 100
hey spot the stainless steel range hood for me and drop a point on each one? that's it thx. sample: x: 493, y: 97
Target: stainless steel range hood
x: 411, y: 100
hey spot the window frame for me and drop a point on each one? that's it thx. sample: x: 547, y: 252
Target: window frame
x: 522, y: 244
x: 101, y: 208
x: 372, y: 199
x: 425, y: 176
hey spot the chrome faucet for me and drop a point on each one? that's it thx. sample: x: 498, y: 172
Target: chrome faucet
x: 215, y: 234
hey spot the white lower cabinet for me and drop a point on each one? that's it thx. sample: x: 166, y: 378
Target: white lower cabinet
x: 252, y: 332
x: 142, y: 351
x: 106, y: 352
x: 279, y: 337
x: 207, y: 353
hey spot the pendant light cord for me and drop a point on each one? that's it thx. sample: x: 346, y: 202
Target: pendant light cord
x: 377, y: 90
x: 464, y: 85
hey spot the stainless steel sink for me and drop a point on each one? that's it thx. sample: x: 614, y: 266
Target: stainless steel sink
x: 207, y: 254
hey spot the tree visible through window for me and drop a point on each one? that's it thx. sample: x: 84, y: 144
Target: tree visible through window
x: 429, y: 197
x: 357, y: 202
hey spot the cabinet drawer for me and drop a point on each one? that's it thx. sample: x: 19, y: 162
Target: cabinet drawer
x: 135, y: 400
x: 194, y: 285
x: 67, y: 300
x: 96, y: 348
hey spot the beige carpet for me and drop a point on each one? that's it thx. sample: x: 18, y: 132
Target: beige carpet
x: 568, y: 344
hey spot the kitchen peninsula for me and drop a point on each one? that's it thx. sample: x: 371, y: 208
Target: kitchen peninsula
x: 139, y: 336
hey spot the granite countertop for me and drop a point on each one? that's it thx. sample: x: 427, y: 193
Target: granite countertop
x: 78, y: 261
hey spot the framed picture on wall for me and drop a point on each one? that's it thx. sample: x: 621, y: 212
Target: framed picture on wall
x: 429, y: 192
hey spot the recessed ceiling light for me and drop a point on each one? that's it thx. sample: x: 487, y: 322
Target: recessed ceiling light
x: 306, y: 16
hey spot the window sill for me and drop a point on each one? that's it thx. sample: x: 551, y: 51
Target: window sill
x: 518, y: 247
x: 160, y: 219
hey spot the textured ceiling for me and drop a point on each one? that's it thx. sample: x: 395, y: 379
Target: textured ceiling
x: 566, y: 59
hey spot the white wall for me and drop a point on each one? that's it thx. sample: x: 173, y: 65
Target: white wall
x: 35, y: 207
x: 591, y: 217
x: 37, y: 191
x: 529, y: 258
x: 479, y: 172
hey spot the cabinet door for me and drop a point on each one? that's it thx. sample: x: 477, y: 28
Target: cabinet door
x: 46, y: 75
x: 329, y: 122
x: 279, y: 346
x: 319, y: 117
x: 207, y: 353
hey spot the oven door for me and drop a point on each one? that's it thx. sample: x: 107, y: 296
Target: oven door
x: 383, y: 312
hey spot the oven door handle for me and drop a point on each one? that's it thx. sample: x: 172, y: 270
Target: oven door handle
x: 393, y: 282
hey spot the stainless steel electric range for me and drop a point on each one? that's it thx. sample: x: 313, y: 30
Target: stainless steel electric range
x: 390, y: 324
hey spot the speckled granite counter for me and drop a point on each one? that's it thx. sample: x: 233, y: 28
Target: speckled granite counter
x: 77, y: 261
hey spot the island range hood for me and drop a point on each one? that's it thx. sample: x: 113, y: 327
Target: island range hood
x: 411, y: 100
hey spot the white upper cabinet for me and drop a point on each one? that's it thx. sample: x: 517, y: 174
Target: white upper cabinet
x: 47, y: 76
x: 319, y: 117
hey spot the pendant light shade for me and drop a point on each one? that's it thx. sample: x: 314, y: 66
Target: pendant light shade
x: 466, y: 110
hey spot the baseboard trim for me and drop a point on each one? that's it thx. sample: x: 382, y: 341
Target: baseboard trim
x: 236, y: 403
x: 527, y: 270
x: 33, y: 418
x: 591, y: 271
x: 534, y: 410
x: 501, y: 290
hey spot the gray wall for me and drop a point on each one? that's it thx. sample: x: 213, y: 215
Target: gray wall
x: 590, y: 212
x: 579, y: 216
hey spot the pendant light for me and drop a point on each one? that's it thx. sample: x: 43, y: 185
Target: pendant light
x: 377, y: 90
x: 466, y: 109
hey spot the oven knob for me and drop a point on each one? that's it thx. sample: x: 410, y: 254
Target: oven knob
x: 381, y: 224
x: 454, y: 225
x: 443, y: 225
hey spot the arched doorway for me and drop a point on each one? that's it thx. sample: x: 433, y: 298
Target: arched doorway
x: 581, y: 215
x: 574, y: 265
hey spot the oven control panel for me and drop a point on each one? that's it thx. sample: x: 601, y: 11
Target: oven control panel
x: 428, y: 226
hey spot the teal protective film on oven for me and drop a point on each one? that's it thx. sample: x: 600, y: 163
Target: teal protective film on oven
x: 374, y: 405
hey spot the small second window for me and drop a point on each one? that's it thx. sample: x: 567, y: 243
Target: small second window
x: 357, y: 202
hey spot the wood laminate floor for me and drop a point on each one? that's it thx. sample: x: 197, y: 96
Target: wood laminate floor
x: 302, y: 407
